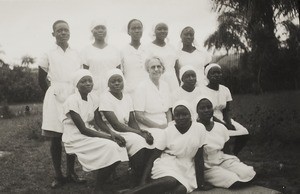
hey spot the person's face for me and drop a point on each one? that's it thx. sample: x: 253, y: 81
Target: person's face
x: 85, y: 85
x: 187, y: 36
x: 61, y: 32
x: 161, y: 31
x: 182, y: 116
x: 135, y: 30
x: 115, y: 83
x: 189, y: 78
x: 155, y: 69
x: 214, y: 75
x: 205, y: 110
x: 99, y: 32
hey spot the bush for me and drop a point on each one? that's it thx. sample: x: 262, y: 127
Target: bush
x: 19, y: 85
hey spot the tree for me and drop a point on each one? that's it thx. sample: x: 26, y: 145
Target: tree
x: 27, y: 60
x: 255, y: 20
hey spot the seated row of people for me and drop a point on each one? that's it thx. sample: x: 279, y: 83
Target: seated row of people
x: 171, y: 151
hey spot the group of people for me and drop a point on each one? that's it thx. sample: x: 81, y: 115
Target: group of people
x: 164, y: 111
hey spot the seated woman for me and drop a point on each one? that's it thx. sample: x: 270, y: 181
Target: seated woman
x: 221, y: 169
x: 177, y: 163
x: 188, y: 90
x: 221, y: 99
x: 96, y: 151
x: 117, y: 107
x: 151, y: 98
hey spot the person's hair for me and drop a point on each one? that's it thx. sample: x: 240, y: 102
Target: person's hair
x: 57, y: 22
x: 185, y: 29
x: 153, y: 58
x: 129, y: 23
x: 198, y: 104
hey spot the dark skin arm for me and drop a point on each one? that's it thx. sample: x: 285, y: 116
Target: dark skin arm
x: 146, y: 175
x: 84, y: 130
x: 101, y: 125
x: 227, y: 117
x: 43, y: 80
x: 113, y: 120
x: 177, y: 71
x: 199, y: 167
x: 228, y: 149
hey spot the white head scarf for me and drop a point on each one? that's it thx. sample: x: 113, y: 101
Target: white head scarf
x: 185, y: 69
x: 182, y: 103
x: 208, y: 67
x: 112, y: 72
x: 97, y: 22
x: 201, y: 98
x: 80, y: 74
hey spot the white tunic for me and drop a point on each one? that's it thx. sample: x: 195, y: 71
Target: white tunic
x: 222, y: 170
x: 60, y: 65
x: 122, y: 108
x: 133, y: 66
x: 93, y: 153
x: 169, y: 56
x: 152, y: 101
x: 219, y: 100
x: 179, y: 150
x: 198, y: 59
x: 190, y: 97
x: 100, y: 61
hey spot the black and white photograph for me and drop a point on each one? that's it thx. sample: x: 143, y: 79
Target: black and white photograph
x: 150, y: 96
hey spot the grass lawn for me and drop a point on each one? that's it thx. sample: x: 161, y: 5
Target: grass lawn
x: 273, y: 150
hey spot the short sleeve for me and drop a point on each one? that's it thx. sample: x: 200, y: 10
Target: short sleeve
x: 139, y: 99
x: 43, y: 62
x: 227, y: 94
x: 71, y: 104
x: 129, y: 103
x: 224, y: 132
x: 105, y: 103
x: 95, y: 99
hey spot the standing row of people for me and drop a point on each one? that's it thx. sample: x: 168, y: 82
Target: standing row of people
x: 117, y: 115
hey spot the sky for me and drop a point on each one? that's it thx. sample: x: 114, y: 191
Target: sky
x: 26, y: 25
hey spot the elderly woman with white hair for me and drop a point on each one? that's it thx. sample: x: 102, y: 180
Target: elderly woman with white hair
x: 151, y: 100
x: 117, y: 107
x: 221, y: 99
x: 161, y: 48
x: 95, y: 150
x: 100, y: 57
x: 189, y: 91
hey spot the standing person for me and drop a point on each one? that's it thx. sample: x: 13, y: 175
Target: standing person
x: 159, y: 47
x: 188, y: 91
x: 176, y: 165
x: 57, y: 65
x: 117, y: 108
x: 152, y: 100
x: 96, y: 151
x: 221, y: 99
x: 134, y: 56
x: 221, y: 168
x: 190, y: 55
x: 100, y: 57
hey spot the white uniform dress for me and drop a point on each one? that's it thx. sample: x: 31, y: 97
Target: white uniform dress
x: 93, y: 153
x: 133, y: 66
x: 100, y: 61
x: 122, y: 109
x: 169, y: 56
x: 222, y: 170
x: 198, y: 59
x: 152, y: 101
x: 219, y: 99
x: 60, y: 65
x: 179, y: 150
x: 181, y: 94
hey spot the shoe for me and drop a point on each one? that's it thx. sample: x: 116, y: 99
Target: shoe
x: 73, y: 178
x: 58, y: 182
